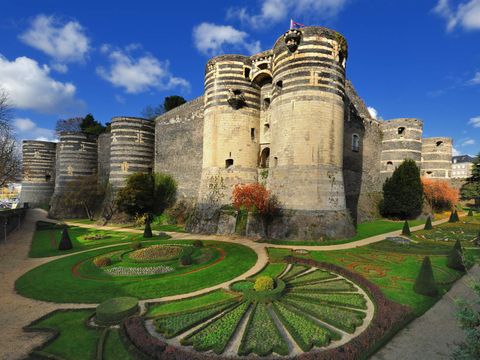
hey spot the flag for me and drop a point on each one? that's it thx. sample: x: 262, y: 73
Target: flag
x: 295, y: 25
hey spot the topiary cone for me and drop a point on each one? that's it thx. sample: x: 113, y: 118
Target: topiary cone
x: 451, y: 219
x: 428, y: 224
x: 455, y: 216
x: 455, y: 258
x: 470, y: 212
x: 425, y: 283
x: 406, y: 229
x: 65, y: 242
x: 147, y: 233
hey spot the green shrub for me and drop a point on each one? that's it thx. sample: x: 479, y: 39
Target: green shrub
x: 453, y: 217
x: 113, y: 311
x: 147, y: 233
x: 186, y: 260
x: 403, y: 192
x: 425, y: 283
x: 406, y: 229
x: 198, y: 244
x: 65, y: 242
x: 102, y: 261
x: 470, y: 212
x: 136, y: 245
x: 263, y: 283
x: 455, y: 257
x: 428, y: 224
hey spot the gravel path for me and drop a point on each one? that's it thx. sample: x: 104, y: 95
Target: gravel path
x: 433, y: 335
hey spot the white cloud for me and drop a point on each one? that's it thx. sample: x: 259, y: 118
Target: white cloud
x: 476, y: 79
x: 475, y: 122
x: 373, y: 112
x: 465, y: 15
x: 27, y: 129
x: 30, y: 86
x: 138, y: 74
x: 274, y: 11
x: 211, y: 39
x: 65, y: 42
x: 467, y: 141
x: 455, y: 152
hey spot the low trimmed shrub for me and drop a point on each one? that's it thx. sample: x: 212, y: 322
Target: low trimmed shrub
x: 65, y: 242
x: 267, y: 295
x: 136, y: 245
x: 428, y: 224
x: 102, y: 261
x: 198, y: 244
x: 406, y: 229
x: 186, y: 260
x: 425, y: 283
x: 263, y: 283
x: 115, y: 310
x: 455, y: 257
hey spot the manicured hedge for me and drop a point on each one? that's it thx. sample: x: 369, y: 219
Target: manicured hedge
x: 389, y: 318
x: 113, y: 311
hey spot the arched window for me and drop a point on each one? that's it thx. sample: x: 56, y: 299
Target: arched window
x: 355, y: 142
x: 439, y: 143
x: 389, y: 166
x: 265, y: 158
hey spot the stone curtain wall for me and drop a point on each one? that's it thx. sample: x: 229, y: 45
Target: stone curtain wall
x: 38, y: 176
x: 437, y: 157
x: 103, y: 144
x: 179, y: 146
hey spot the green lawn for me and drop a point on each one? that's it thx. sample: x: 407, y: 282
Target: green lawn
x: 45, y: 240
x: 54, y: 281
x: 364, y: 230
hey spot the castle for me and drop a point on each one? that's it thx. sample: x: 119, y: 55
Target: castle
x: 286, y: 117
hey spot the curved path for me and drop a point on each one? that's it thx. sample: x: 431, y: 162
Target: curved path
x: 17, y: 311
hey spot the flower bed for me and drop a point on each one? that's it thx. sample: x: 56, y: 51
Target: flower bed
x: 350, y: 300
x: 173, y: 325
x: 215, y: 335
x: 138, y: 271
x: 334, y: 285
x: 304, y: 331
x: 294, y: 271
x: 261, y: 335
x: 389, y: 318
x: 316, y: 275
x: 156, y: 253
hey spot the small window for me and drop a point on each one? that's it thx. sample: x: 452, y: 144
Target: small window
x: 429, y: 173
x: 252, y: 134
x: 228, y: 163
x: 389, y: 166
x: 266, y: 103
x: 266, y: 127
x: 355, y: 143
x: 439, y: 143
x: 279, y: 84
x: 247, y: 73
x: 265, y: 158
x: 401, y: 131
x: 48, y: 177
x: 275, y: 161
x: 263, y: 66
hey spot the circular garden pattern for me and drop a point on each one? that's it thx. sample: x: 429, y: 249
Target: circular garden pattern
x: 308, y: 308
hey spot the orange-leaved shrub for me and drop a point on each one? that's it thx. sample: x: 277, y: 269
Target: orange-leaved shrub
x: 254, y: 198
x: 439, y: 194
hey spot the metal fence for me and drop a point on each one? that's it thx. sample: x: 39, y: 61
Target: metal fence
x: 10, y: 220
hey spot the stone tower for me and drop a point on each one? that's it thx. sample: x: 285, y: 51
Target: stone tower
x: 437, y: 157
x: 38, y: 177
x: 76, y: 159
x: 402, y: 139
x: 307, y: 119
x: 132, y: 148
x: 231, y: 128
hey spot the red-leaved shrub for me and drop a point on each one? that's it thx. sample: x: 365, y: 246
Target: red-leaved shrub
x: 439, y: 194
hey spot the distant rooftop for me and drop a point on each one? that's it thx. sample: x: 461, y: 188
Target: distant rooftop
x: 463, y: 159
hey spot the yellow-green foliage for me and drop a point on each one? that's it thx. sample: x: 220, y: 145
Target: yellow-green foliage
x: 102, y: 261
x: 263, y: 283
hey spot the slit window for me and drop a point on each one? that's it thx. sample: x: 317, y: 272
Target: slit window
x: 355, y: 142
x: 228, y: 163
x: 275, y: 161
x: 279, y: 84
x: 252, y: 134
x: 247, y: 73
x: 266, y: 127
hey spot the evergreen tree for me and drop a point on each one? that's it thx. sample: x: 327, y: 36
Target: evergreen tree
x: 406, y: 229
x: 65, y: 242
x: 403, y: 192
x: 428, y: 224
x: 425, y: 283
x: 453, y: 217
x: 471, y: 189
x: 147, y: 233
x: 171, y: 102
x: 455, y: 257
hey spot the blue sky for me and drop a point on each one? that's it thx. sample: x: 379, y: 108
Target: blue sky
x: 407, y: 58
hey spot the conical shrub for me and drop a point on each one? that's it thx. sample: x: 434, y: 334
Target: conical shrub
x: 428, y: 224
x: 147, y: 233
x: 425, y: 283
x: 455, y: 216
x: 451, y: 219
x: 455, y: 257
x: 406, y: 229
x: 65, y: 242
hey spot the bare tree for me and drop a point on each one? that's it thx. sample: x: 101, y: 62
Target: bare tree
x: 84, y: 193
x: 10, y: 161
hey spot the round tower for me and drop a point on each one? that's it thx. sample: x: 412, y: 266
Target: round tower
x: 132, y: 148
x: 77, y: 159
x: 437, y: 157
x: 38, y: 176
x: 402, y: 139
x: 231, y: 128
x: 307, y: 117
